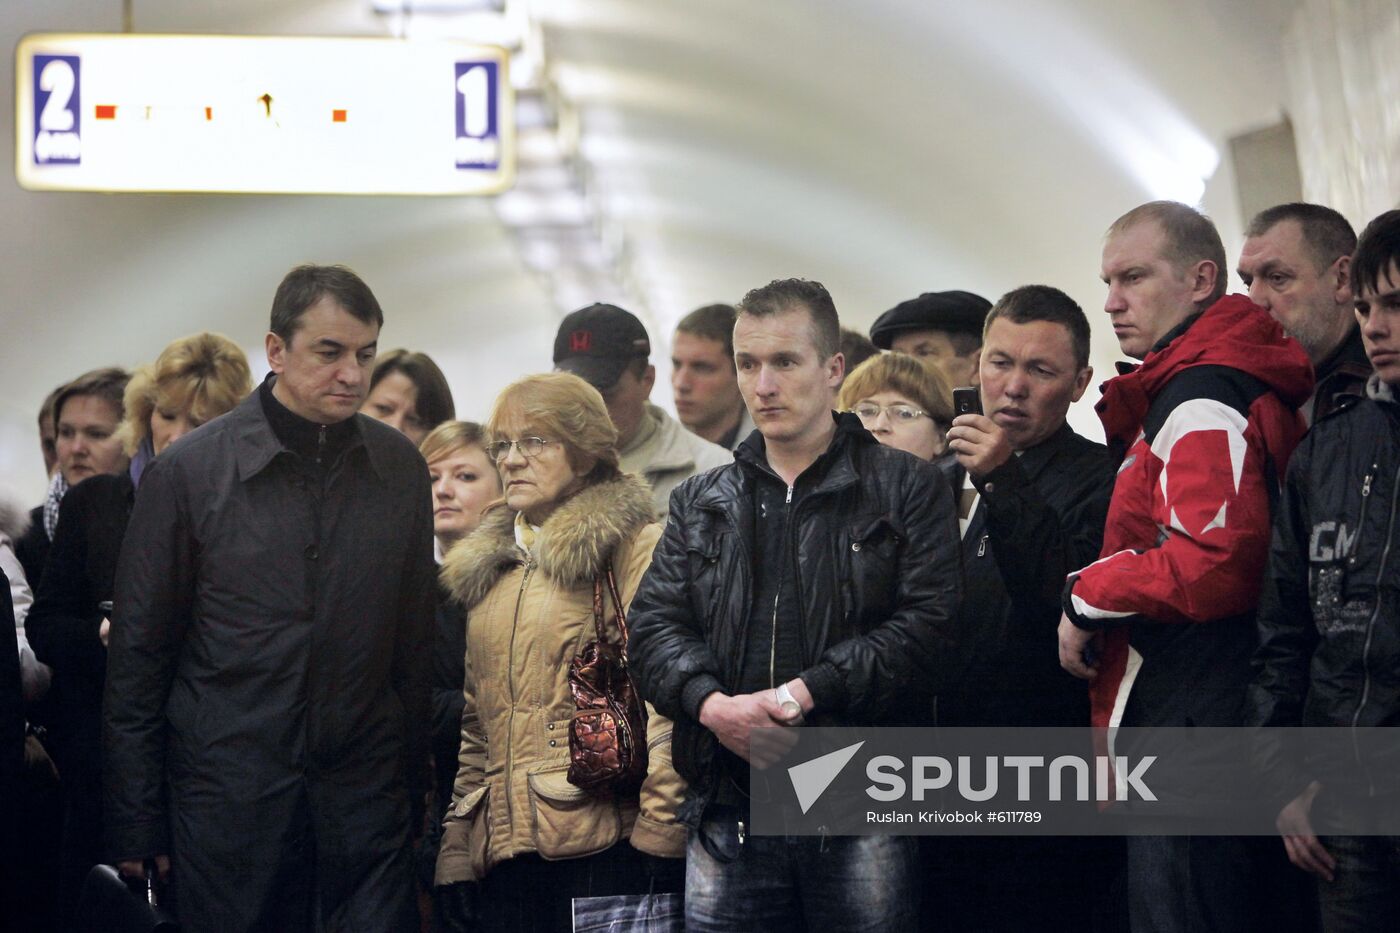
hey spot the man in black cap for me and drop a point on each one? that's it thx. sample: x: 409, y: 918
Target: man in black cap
x: 943, y: 327
x: 609, y: 347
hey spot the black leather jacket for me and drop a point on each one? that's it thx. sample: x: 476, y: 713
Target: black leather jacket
x: 880, y: 578
x: 1329, y: 615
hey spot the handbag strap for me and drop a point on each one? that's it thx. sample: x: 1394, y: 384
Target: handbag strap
x: 617, y: 604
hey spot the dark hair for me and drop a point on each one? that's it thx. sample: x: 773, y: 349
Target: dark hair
x: 1044, y: 303
x: 1191, y: 237
x: 307, y: 284
x: 856, y: 348
x: 782, y: 295
x: 1377, y: 251
x: 1327, y: 233
x: 713, y: 322
x: 108, y: 384
x: 434, y: 405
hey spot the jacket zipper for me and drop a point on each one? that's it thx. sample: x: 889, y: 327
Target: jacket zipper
x: 320, y: 443
x: 982, y: 546
x: 510, y: 684
x: 1375, y: 614
x: 1361, y: 524
x: 773, y: 640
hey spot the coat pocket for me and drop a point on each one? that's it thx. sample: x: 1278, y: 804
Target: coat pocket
x: 466, y: 835
x: 569, y: 822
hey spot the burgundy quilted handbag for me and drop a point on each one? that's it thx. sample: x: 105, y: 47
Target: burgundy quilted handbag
x: 608, y: 734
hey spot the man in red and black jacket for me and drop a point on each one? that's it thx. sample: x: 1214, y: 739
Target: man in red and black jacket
x: 1163, y: 623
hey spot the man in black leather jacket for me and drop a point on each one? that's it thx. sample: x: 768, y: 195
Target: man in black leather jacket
x: 814, y: 580
x: 1328, y: 620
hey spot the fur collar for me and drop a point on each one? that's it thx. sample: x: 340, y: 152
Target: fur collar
x: 574, y: 543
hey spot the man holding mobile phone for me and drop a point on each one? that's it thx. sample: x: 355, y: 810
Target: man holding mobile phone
x: 1032, y: 500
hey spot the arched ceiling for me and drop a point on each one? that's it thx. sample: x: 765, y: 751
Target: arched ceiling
x: 885, y: 147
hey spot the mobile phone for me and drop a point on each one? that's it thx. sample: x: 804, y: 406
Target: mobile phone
x: 966, y: 401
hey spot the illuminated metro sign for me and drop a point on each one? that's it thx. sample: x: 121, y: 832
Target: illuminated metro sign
x: 262, y: 114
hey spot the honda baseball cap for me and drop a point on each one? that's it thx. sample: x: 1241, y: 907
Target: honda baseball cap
x: 597, y: 342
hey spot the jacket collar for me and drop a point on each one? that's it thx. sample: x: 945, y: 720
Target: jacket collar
x: 1034, y: 459
x: 256, y: 445
x: 1379, y: 390
x: 574, y: 544
x: 835, y: 469
x: 667, y: 442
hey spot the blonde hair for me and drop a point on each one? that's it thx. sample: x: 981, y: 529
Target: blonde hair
x: 206, y: 375
x: 922, y: 383
x: 564, y: 408
x: 450, y: 435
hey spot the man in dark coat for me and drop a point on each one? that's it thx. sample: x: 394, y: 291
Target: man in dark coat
x: 266, y: 698
x: 815, y: 580
x: 1329, y: 627
x: 1032, y: 497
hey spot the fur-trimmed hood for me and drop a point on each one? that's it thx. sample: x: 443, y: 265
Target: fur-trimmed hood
x: 574, y: 543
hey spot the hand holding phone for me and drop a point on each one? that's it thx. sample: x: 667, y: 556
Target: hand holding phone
x: 967, y: 400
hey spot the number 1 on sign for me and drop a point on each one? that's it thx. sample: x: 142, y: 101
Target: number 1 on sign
x: 473, y: 86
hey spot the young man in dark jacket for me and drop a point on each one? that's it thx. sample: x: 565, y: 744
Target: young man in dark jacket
x: 813, y: 580
x: 266, y: 703
x: 1032, y: 499
x: 1329, y: 625
x: 1163, y: 623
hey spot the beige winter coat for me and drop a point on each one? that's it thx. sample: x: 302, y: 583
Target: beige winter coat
x: 527, y: 619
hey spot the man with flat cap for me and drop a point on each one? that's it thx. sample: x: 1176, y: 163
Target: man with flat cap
x: 944, y: 328
x: 609, y: 348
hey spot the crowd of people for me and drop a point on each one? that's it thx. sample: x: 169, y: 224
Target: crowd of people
x: 305, y: 670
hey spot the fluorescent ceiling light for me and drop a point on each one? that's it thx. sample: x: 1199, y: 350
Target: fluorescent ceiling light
x: 551, y: 209
x: 435, y: 7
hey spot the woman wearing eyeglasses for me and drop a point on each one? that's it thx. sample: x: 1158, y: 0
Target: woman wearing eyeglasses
x: 906, y: 403
x: 526, y: 577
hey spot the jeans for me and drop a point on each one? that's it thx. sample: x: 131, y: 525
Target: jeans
x: 792, y: 883
x: 1189, y: 884
x: 1364, y: 894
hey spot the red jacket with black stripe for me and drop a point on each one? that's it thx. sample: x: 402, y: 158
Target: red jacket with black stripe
x: 1205, y: 427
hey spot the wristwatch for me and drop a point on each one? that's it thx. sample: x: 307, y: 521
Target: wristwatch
x: 788, y: 703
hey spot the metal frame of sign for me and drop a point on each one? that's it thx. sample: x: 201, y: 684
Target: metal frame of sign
x: 266, y: 115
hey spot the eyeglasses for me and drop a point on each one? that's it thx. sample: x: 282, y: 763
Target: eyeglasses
x: 529, y: 447
x: 904, y: 414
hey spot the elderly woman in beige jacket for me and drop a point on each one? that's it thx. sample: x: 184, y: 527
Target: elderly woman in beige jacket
x: 526, y: 576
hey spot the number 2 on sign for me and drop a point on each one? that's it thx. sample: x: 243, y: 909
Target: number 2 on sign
x: 57, y: 79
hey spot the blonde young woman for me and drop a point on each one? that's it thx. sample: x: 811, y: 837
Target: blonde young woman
x: 906, y: 403
x: 465, y: 483
x: 526, y: 576
x: 193, y: 380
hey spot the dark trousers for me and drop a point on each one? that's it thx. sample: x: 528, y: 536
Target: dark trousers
x: 830, y: 884
x: 1010, y: 884
x: 1189, y: 884
x: 1364, y: 894
x: 529, y: 894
